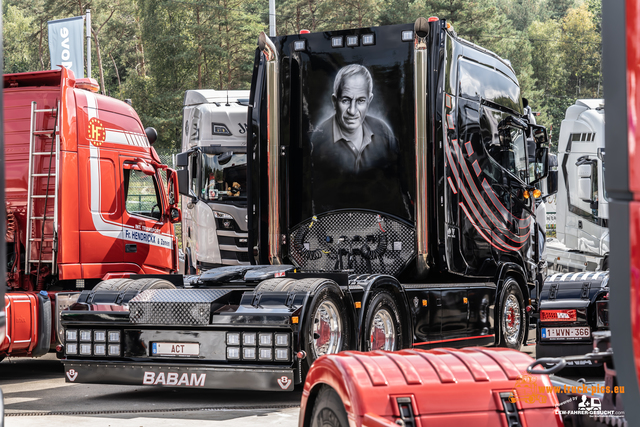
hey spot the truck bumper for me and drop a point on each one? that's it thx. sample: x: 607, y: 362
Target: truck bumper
x: 567, y: 349
x: 180, y: 375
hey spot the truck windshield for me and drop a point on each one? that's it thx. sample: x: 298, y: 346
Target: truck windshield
x: 224, y: 177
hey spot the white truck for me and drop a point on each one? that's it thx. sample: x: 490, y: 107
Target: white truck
x: 581, y: 209
x: 214, y: 141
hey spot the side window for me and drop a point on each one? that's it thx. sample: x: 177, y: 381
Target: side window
x: 141, y: 194
x: 519, y: 148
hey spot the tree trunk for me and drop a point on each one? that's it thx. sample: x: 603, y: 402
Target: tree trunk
x: 116, y: 68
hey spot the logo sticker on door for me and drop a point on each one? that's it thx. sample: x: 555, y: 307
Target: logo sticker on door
x: 96, y: 132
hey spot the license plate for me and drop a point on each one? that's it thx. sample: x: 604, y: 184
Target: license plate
x: 565, y: 333
x: 175, y: 349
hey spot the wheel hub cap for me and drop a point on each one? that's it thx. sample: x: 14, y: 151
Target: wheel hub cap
x: 327, y: 329
x: 382, y: 335
x: 511, y: 319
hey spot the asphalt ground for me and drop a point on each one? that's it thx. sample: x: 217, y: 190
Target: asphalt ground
x: 36, y: 394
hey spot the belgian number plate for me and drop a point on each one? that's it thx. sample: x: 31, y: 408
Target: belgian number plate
x: 175, y: 349
x: 565, y: 333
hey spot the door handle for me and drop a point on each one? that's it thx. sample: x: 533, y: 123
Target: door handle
x: 131, y: 248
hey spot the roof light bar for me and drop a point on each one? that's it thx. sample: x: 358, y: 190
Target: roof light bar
x: 407, y: 36
x: 352, y: 41
x: 299, y: 45
x: 337, y: 41
x: 368, y: 40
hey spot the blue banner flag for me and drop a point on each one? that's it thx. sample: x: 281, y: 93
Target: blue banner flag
x: 66, y: 44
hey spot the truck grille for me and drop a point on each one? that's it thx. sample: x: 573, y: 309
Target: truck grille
x: 173, y: 306
x: 357, y: 241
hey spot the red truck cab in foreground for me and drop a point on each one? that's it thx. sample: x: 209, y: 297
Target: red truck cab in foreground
x: 85, y: 200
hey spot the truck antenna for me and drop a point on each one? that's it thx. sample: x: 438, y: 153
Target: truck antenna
x: 228, y: 98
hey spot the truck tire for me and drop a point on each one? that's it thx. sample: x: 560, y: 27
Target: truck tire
x: 273, y: 285
x: 512, y: 315
x: 383, y: 328
x: 112, y: 285
x: 326, y: 328
x: 144, y: 284
x: 328, y: 409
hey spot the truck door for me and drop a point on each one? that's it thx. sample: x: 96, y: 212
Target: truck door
x: 146, y: 228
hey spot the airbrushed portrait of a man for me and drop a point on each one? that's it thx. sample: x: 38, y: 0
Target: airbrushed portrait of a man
x: 351, y: 140
x: 354, y: 154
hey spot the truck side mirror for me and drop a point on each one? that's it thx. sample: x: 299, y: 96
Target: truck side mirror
x: 175, y: 215
x: 584, y: 182
x: 172, y: 186
x: 552, y: 178
x: 183, y: 183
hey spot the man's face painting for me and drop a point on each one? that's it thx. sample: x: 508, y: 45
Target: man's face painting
x: 352, y: 103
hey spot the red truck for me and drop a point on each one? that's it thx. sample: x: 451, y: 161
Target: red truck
x: 85, y: 201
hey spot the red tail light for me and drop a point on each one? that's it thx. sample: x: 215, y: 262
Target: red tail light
x: 558, y: 316
x: 433, y: 19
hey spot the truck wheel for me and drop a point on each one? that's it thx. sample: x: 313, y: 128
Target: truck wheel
x: 326, y: 326
x: 512, y: 315
x: 144, y: 284
x: 273, y: 285
x: 328, y: 410
x: 112, y: 285
x: 383, y: 330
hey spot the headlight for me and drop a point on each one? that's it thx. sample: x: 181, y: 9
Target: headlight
x: 282, y: 340
x: 233, y: 353
x: 114, y: 336
x: 265, y: 340
x: 114, y: 349
x: 99, y: 336
x: 249, y: 338
x: 85, y: 336
x: 265, y: 353
x: 222, y: 215
x: 71, y: 348
x: 233, y: 338
x: 99, y: 350
x: 282, y: 354
x: 249, y: 353
x: 71, y: 335
x: 85, y: 349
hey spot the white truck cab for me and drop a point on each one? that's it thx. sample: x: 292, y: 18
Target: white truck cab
x: 582, y: 209
x: 214, y: 225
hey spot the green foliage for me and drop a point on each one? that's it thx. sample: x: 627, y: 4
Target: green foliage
x: 151, y: 51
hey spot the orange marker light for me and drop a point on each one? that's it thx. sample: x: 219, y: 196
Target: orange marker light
x: 358, y: 304
x: 424, y: 302
x: 537, y: 193
x: 525, y: 194
x: 294, y: 319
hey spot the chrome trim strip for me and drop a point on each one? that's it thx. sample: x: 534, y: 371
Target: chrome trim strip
x: 420, y: 97
x: 273, y: 145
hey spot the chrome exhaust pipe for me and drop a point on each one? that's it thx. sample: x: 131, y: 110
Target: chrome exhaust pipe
x: 421, y: 32
x: 268, y: 49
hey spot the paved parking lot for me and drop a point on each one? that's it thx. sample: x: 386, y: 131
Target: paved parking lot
x: 36, y: 394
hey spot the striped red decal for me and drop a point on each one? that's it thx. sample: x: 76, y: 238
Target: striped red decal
x: 479, y: 216
x: 453, y: 188
x: 415, y: 344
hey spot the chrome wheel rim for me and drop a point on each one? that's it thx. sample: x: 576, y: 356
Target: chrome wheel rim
x: 511, y: 320
x: 382, y: 335
x: 327, y: 329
